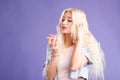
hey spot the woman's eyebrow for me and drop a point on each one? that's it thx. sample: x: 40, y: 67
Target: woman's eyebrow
x: 67, y: 17
x: 70, y: 17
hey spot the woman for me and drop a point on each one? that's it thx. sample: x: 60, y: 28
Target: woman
x: 74, y: 54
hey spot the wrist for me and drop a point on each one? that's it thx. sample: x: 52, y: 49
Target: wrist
x: 54, y: 54
x: 54, y: 51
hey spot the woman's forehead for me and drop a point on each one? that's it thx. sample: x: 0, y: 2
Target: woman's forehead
x: 67, y: 15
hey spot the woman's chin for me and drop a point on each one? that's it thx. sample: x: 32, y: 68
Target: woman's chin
x: 65, y: 32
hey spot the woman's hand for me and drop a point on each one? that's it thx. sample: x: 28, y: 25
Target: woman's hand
x: 81, y: 33
x: 53, y: 42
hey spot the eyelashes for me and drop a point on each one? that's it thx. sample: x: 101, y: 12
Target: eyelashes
x: 68, y: 20
x: 63, y: 19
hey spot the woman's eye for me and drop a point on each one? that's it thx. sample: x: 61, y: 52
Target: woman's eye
x: 69, y: 20
x: 63, y: 19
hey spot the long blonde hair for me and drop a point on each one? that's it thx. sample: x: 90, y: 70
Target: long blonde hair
x: 79, y: 18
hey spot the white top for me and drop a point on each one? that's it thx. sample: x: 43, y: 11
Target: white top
x: 63, y: 66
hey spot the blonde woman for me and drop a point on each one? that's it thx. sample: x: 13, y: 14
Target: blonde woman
x: 74, y: 53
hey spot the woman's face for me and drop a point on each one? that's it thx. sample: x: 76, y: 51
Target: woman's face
x: 66, y: 22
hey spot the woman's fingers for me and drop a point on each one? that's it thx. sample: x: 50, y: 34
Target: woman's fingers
x: 55, y: 43
x: 49, y: 41
x: 52, y: 41
x: 80, y: 32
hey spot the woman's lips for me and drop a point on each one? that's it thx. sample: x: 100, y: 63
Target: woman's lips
x: 63, y: 27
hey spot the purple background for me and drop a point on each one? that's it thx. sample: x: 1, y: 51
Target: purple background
x: 24, y: 25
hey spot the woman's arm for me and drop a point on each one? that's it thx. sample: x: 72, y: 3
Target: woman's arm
x: 51, y: 68
x: 81, y: 78
x: 78, y: 59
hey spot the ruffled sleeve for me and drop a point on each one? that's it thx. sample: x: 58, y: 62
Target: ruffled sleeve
x: 86, y: 51
x: 47, y: 60
x: 47, y: 57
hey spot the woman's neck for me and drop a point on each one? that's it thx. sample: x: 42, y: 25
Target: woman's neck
x: 68, y: 40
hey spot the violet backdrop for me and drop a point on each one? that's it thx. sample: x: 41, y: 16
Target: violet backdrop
x: 24, y: 25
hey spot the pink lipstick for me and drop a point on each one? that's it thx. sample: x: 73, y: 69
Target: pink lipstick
x: 63, y: 27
